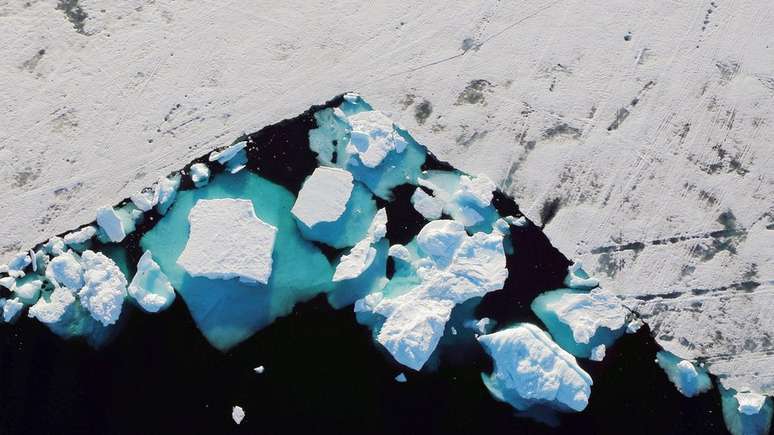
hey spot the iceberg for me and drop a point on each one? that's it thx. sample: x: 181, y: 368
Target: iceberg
x: 27, y: 289
x: 228, y: 153
x: 259, y: 370
x: 150, y: 288
x: 111, y: 224
x: 465, y: 198
x: 237, y: 414
x: 401, y: 378
x: 581, y: 320
x: 689, y: 379
x: 227, y: 240
x: 52, y: 309
x: 200, y: 174
x: 373, y: 136
x: 362, y: 255
x: 65, y: 270
x: 11, y: 308
x: 104, y: 288
x: 164, y: 195
x: 428, y: 206
x: 323, y: 197
x: 81, y: 236
x: 530, y: 369
x: 598, y: 353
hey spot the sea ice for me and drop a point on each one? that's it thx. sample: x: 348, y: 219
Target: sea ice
x: 111, y: 224
x: 227, y: 154
x: 227, y: 240
x: 150, y: 287
x: 146, y: 199
x: 237, y: 414
x: 750, y: 403
x: 11, y: 308
x: 200, y: 174
x: 104, y: 287
x: 65, y: 270
x: 481, y: 326
x: 577, y: 278
x: 373, y: 136
x: 166, y: 190
x: 401, y: 378
x: 51, y: 308
x: 27, y: 289
x: 530, y: 369
x: 689, y: 379
x: 362, y: 255
x: 428, y: 206
x: 634, y: 326
x: 598, y: 353
x: 746, y: 413
x: 259, y: 370
x: 323, y: 197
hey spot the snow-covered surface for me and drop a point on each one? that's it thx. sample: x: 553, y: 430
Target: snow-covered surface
x: 750, y: 403
x: 540, y: 96
x: 104, y: 287
x: 584, y: 313
x: 531, y: 369
x: 237, y: 414
x: 427, y: 205
x: 324, y: 196
x: 150, y: 287
x: 11, y: 308
x: 457, y: 267
x: 111, y: 224
x: 227, y: 240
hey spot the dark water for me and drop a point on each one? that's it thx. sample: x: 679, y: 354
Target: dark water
x: 324, y: 373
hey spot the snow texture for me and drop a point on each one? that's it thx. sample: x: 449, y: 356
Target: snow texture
x: 531, y: 369
x: 324, y: 196
x: 750, y: 403
x: 81, y: 236
x: 150, y: 287
x: 227, y: 240
x: 104, y: 287
x: 428, y: 206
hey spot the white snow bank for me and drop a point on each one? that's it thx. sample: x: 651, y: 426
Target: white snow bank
x: 324, y: 196
x: 530, y: 369
x: 104, y: 287
x: 227, y: 240
x: 150, y: 287
x: 373, y: 137
x: 584, y: 313
x: 111, y: 224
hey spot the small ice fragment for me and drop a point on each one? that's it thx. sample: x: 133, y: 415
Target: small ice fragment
x: 200, y: 174
x: 517, y: 222
x: 29, y: 291
x: 428, y: 206
x: 220, y: 228
x: 238, y: 414
x: 146, y: 199
x: 577, y: 278
x: 324, y: 196
x: 399, y: 252
x: 11, y: 308
x: 634, y: 326
x: 362, y: 255
x: 750, y: 403
x: 111, y: 224
x: 8, y: 282
x: 259, y: 370
x: 165, y: 193
x: 34, y: 260
x: 65, y: 270
x: 401, y: 378
x: 19, y: 262
x: 227, y: 154
x: 81, y: 236
x: 482, y: 326
x: 598, y: 353
x: 689, y: 379
x: 55, y: 246
x: 453, y: 330
x: 150, y: 287
x: 104, y: 287
x: 478, y: 190
x: 373, y: 136
x: 52, y: 310
x: 585, y: 313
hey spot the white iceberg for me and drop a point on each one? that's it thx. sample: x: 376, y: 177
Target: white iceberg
x: 598, y: 353
x: 150, y: 287
x: 324, y: 196
x: 104, y: 289
x: 362, y: 255
x: 585, y: 313
x: 164, y: 195
x: 530, y: 369
x: 478, y: 190
x: 111, y: 224
x: 237, y: 414
x: 259, y: 370
x: 227, y: 154
x: 750, y: 403
x: 227, y: 240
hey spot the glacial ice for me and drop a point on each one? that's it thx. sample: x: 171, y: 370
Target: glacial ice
x: 65, y: 270
x: 228, y: 153
x: 323, y: 197
x: 746, y: 413
x: 111, y: 224
x: 227, y: 240
x: 689, y: 378
x: 237, y: 414
x: 449, y: 267
x: 581, y: 320
x: 229, y: 311
x: 104, y: 287
x: 750, y: 403
x: 200, y: 174
x: 150, y: 288
x: 530, y: 369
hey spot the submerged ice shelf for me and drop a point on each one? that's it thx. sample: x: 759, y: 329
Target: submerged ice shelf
x: 363, y: 214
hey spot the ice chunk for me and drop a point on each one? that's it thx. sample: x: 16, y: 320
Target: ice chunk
x: 27, y: 289
x: 81, y: 236
x: 65, y: 270
x: 478, y: 190
x: 401, y: 378
x: 689, y: 379
x: 746, y: 413
x: 111, y: 224
x: 452, y: 267
x: 598, y: 353
x: 750, y: 403
x: 530, y: 369
x: 53, y: 308
x: 200, y: 174
x: 54, y: 246
x: 227, y: 154
x: 166, y: 190
x: 577, y: 278
x: 8, y: 282
x: 11, y: 308
x: 400, y: 252
x: 259, y: 370
x: 373, y: 136
x: 150, y: 287
x: 323, y: 197
x: 146, y: 199
x: 428, y: 206
x: 227, y: 240
x: 238, y: 414
x: 634, y: 326
x: 104, y: 287
x: 19, y: 262
x: 465, y: 198
x: 362, y: 255
x: 481, y: 326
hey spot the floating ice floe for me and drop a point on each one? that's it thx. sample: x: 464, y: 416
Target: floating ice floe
x: 465, y: 198
x: 228, y: 153
x: 166, y: 190
x: 237, y: 414
x: 598, y: 353
x: 362, y: 255
x: 689, y: 378
x: 481, y: 326
x: 104, y: 287
x: 28, y: 288
x: 428, y: 206
x: 150, y: 287
x: 581, y: 320
x: 450, y: 267
x: 373, y: 136
x: 200, y: 174
x: 323, y: 197
x: 634, y: 325
x: 746, y: 413
x: 530, y: 369
x: 11, y: 308
x: 111, y: 224
x: 52, y: 308
x: 577, y: 278
x: 227, y: 240
x: 259, y: 370
x: 401, y: 378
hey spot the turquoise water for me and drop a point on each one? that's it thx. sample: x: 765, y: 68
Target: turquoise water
x: 228, y: 311
x: 561, y: 332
